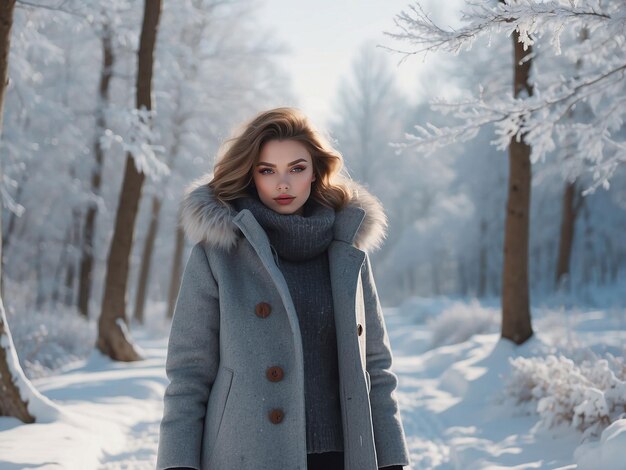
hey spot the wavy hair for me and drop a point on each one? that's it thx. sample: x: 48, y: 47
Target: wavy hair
x: 233, y: 172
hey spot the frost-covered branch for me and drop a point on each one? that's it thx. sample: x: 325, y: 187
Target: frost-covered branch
x: 528, y: 17
x: 137, y: 140
x: 545, y: 117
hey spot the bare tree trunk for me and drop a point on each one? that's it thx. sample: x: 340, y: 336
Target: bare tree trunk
x: 70, y: 273
x: 67, y: 262
x: 516, y: 324
x: 146, y: 260
x: 462, y: 276
x: 11, y: 403
x: 6, y: 23
x: 60, y: 266
x: 112, y: 338
x: 572, y: 199
x: 6, y: 237
x: 86, y: 263
x: 588, y: 255
x: 571, y: 205
x: 177, y: 270
x: 434, y: 269
x: 482, y: 260
x: 605, y: 260
x: 39, y: 276
x: 618, y: 261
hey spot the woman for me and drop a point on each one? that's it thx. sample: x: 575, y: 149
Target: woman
x: 278, y: 355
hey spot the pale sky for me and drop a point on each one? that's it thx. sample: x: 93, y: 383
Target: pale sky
x: 324, y: 37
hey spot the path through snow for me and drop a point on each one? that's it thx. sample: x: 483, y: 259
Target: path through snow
x: 111, y: 411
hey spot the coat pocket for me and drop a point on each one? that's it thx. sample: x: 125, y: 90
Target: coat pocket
x: 216, y: 407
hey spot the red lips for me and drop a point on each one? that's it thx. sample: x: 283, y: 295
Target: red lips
x: 284, y: 199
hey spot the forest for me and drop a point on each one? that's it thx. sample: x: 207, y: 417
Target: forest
x: 503, y: 182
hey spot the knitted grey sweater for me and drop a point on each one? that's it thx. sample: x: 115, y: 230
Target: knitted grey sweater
x: 300, y: 244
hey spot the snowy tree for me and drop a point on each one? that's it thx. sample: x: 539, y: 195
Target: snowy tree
x: 113, y: 339
x: 107, y: 28
x: 41, y: 119
x: 370, y: 113
x: 57, y: 129
x: 447, y: 219
x: 18, y: 396
x: 516, y: 324
x: 538, y: 117
x: 535, y: 114
x: 572, y: 199
x: 56, y: 123
x: 11, y: 403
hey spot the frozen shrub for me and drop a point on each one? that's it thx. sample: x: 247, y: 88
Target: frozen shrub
x: 48, y: 341
x: 461, y: 321
x: 588, y: 395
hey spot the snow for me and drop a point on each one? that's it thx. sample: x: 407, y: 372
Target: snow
x: 38, y: 405
x: 607, y: 454
x: 459, y: 402
x: 110, y: 419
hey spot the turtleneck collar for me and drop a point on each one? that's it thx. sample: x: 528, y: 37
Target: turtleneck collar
x: 294, y: 237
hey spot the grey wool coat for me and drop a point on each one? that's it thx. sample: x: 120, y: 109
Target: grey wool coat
x: 235, y: 321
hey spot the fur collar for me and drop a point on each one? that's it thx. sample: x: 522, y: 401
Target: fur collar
x: 205, y: 219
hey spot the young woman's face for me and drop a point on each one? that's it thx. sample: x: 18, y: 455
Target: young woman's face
x: 283, y: 176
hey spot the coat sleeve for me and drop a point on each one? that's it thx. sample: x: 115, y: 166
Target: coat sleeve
x: 390, y: 441
x: 191, y: 365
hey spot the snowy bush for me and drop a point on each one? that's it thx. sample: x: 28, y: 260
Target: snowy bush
x: 423, y: 309
x: 46, y: 341
x: 588, y: 395
x: 461, y: 321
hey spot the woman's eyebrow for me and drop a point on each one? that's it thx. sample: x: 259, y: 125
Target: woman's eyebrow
x: 289, y: 164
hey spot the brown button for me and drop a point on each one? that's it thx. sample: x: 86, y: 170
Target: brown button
x: 276, y: 415
x: 275, y: 374
x: 359, y: 329
x: 263, y: 309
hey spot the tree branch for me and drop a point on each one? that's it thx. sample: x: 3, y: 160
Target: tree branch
x: 27, y: 4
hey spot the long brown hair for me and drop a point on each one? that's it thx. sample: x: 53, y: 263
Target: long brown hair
x: 233, y: 177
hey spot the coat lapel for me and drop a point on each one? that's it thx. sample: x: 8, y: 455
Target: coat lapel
x: 345, y: 262
x: 259, y: 241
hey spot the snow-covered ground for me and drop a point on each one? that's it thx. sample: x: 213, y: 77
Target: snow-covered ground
x: 459, y: 412
x: 460, y: 405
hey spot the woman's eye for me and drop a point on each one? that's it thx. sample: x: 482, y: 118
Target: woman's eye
x: 267, y: 171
